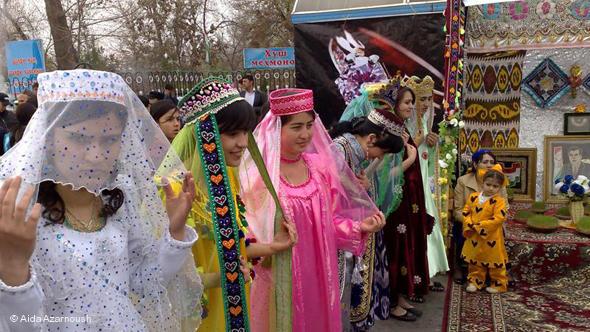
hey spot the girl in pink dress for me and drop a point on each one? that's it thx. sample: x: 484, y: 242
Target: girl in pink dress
x: 321, y: 195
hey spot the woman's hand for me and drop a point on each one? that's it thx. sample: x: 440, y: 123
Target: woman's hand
x: 405, y: 137
x: 178, y: 206
x: 245, y: 269
x: 373, y: 224
x: 286, y: 238
x: 18, y: 234
x: 431, y: 139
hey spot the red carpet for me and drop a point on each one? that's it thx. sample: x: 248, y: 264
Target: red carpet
x: 561, y: 305
x: 552, y: 291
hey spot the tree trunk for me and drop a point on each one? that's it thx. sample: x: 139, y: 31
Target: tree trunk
x: 65, y: 54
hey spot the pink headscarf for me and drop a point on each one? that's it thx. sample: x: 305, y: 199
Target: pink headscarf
x: 353, y: 202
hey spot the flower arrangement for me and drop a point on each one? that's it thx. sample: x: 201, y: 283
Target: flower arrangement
x: 573, y: 189
x: 449, y: 131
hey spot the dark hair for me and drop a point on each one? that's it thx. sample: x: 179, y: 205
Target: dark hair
x: 286, y: 118
x: 574, y: 148
x: 478, y: 157
x: 235, y: 117
x: 35, y: 85
x: 169, y: 87
x: 263, y: 110
x: 28, y: 93
x: 160, y: 108
x: 249, y: 77
x: 24, y: 112
x: 363, y: 127
x: 55, y: 210
x: 495, y: 175
x: 156, y: 95
x: 144, y: 100
x: 33, y: 101
x: 400, y: 93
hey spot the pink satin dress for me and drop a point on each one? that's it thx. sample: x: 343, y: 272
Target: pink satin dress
x: 316, y: 293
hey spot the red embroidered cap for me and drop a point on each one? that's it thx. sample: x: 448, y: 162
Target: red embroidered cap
x: 291, y: 101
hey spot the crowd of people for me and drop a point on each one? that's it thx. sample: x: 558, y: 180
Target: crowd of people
x: 228, y: 211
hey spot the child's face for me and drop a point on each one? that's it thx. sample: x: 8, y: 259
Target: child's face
x: 491, y: 187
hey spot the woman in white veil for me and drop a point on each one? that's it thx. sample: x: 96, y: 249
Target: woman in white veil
x: 98, y: 251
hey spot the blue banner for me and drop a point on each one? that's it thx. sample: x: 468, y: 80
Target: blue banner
x: 269, y: 58
x: 24, y: 61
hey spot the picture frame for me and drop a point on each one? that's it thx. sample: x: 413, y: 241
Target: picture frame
x: 576, y: 123
x: 520, y: 166
x: 564, y: 155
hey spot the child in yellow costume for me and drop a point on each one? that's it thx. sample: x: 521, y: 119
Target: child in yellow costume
x: 484, y: 250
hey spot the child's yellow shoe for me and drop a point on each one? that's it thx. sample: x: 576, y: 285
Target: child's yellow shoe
x: 471, y: 288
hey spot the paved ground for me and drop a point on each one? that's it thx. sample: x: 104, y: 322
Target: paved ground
x: 431, y: 321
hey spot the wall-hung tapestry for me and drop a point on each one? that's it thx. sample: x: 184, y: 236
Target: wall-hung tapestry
x: 546, y: 83
x: 492, y: 101
x: 537, y: 121
x: 528, y: 24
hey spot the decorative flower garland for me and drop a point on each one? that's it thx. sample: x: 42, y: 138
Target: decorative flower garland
x: 450, y: 126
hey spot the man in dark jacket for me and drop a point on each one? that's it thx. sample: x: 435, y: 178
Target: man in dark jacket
x: 170, y: 93
x: 7, y: 120
x: 252, y: 96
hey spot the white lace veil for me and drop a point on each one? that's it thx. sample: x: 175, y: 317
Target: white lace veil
x: 92, y: 131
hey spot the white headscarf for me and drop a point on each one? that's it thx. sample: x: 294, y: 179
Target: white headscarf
x: 91, y: 131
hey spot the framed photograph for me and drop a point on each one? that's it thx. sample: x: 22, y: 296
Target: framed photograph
x: 520, y: 166
x: 564, y: 155
x: 576, y: 123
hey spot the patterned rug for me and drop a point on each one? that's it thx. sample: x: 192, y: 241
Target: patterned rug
x: 492, y: 101
x: 552, y: 274
x: 528, y: 24
x: 546, y: 83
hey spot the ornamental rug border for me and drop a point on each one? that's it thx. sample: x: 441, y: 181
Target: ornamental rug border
x: 492, y: 112
x: 479, y: 311
x: 557, y: 304
x: 495, y: 76
x: 472, y: 139
x: 500, y: 125
x: 528, y: 24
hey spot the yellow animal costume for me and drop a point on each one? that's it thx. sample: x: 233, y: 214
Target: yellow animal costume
x: 484, y: 248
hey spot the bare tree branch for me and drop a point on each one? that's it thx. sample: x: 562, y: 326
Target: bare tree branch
x: 65, y: 53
